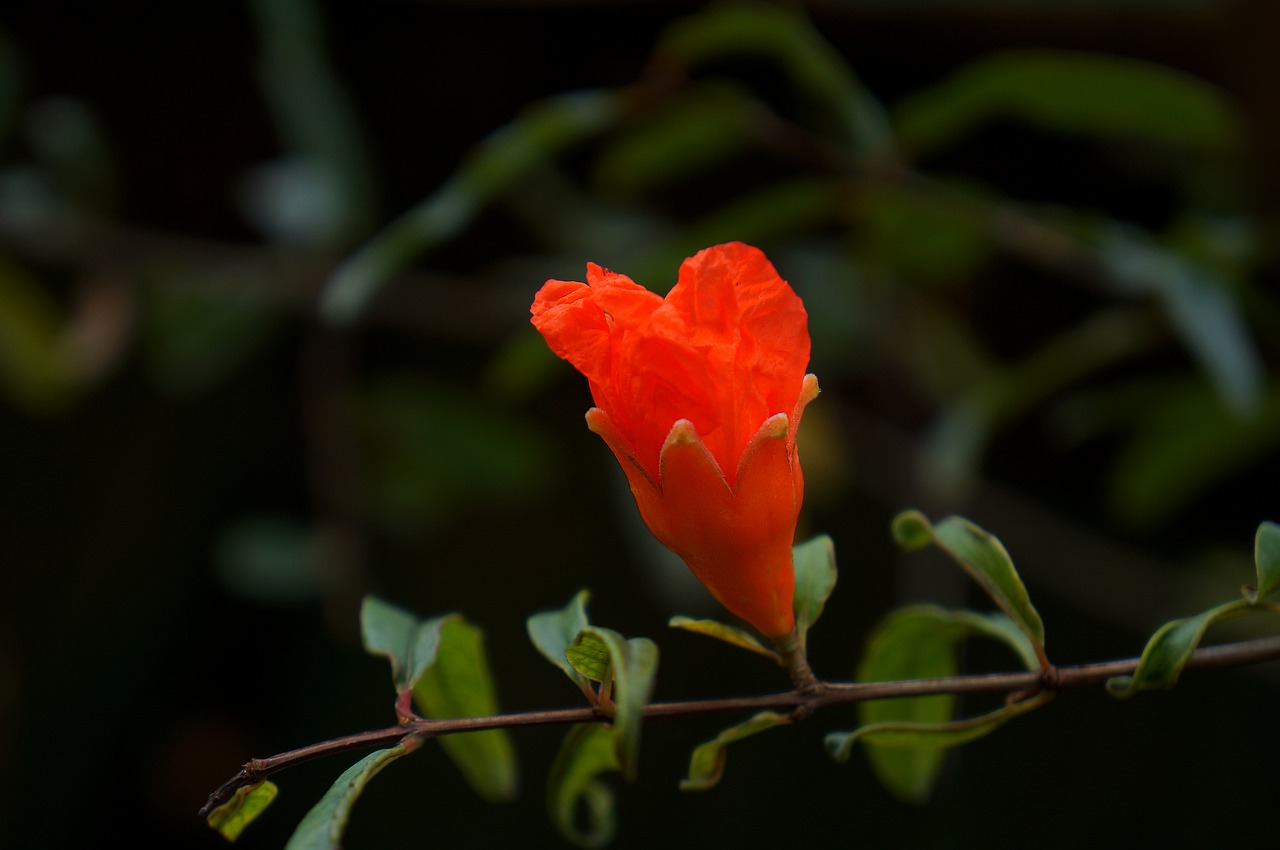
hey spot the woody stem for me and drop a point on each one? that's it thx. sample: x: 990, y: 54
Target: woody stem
x: 791, y: 648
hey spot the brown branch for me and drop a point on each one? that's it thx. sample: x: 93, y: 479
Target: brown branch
x: 799, y: 703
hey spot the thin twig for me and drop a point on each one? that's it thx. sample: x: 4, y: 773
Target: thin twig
x: 798, y: 702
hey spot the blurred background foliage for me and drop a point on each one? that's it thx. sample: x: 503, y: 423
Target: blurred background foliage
x: 265, y: 270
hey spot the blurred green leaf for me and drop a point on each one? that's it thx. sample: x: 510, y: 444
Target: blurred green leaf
x: 920, y: 236
x: 631, y: 665
x: 321, y: 194
x: 957, y: 441
x: 410, y: 644
x: 815, y: 570
x: 242, y: 809
x: 544, y: 130
x: 837, y: 99
x: 272, y: 560
x: 684, y: 136
x: 73, y: 151
x: 984, y: 558
x: 323, y: 826
x: 459, y: 684
x: 728, y: 634
x: 199, y: 326
x: 553, y: 632
x: 1185, y: 441
x: 1169, y: 649
x: 433, y: 449
x: 706, y: 765
x: 1266, y: 554
x: 1092, y: 95
x: 35, y: 371
x: 1201, y: 307
x: 588, y: 751
x: 905, y: 737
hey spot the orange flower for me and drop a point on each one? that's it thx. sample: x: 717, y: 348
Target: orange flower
x: 699, y: 395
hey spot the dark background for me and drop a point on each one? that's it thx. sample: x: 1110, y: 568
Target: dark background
x: 196, y: 504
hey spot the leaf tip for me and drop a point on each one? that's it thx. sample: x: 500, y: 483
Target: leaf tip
x: 911, y: 530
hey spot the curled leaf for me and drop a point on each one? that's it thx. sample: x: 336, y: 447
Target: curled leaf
x: 587, y: 752
x: 1169, y: 649
x: 706, y: 765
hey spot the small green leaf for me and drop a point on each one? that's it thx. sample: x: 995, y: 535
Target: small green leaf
x: 1266, y: 553
x: 815, y: 566
x: 459, y: 685
x: 728, y: 634
x: 410, y: 644
x: 589, y: 655
x: 1169, y: 649
x: 706, y: 765
x: 984, y: 558
x: 632, y: 665
x: 553, y: 632
x: 323, y: 826
x: 588, y: 751
x: 242, y: 809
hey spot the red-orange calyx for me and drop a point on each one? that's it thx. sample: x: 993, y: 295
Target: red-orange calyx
x: 699, y: 395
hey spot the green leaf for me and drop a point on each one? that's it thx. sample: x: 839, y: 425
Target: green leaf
x: 242, y: 809
x: 1169, y: 649
x: 1266, y: 553
x: 984, y: 558
x: 588, y: 751
x: 905, y: 737
x: 409, y: 643
x: 553, y: 632
x: 728, y: 634
x: 815, y: 567
x: 323, y: 826
x: 459, y: 684
x: 706, y: 765
x: 1084, y: 93
x: 590, y: 656
x: 631, y: 666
